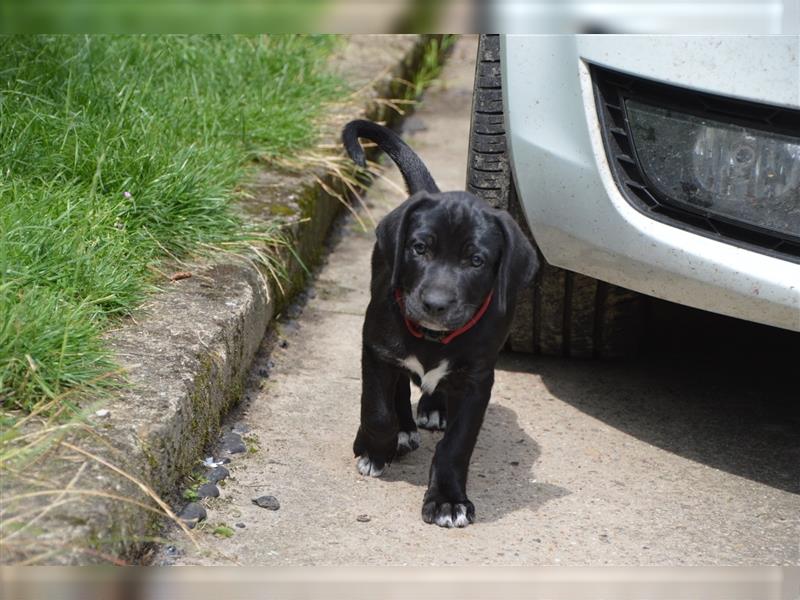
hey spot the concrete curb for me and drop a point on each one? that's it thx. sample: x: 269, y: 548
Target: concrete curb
x: 187, y: 354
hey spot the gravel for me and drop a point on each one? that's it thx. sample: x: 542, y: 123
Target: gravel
x: 217, y: 474
x: 208, y: 490
x: 268, y: 502
x: 192, y: 514
x: 232, y: 443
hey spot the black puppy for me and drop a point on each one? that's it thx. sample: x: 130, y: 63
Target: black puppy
x: 446, y: 269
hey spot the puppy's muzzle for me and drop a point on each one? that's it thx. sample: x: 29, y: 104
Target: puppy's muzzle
x: 436, y: 302
x: 436, y: 309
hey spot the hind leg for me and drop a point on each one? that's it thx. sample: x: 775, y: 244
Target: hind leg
x: 408, y: 437
x: 432, y: 411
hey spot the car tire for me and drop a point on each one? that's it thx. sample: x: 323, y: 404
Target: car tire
x: 562, y: 313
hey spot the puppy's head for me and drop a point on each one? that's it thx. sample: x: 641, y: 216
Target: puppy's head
x: 448, y: 251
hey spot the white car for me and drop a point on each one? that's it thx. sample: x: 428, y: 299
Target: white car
x: 664, y: 165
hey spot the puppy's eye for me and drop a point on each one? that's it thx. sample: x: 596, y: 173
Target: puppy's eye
x: 419, y: 248
x: 476, y: 260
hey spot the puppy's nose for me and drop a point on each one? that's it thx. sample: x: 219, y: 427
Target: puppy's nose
x: 436, y: 301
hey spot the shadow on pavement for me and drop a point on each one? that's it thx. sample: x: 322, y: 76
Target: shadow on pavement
x: 716, y: 390
x: 501, y: 477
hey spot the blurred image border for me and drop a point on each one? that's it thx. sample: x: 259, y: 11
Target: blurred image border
x: 356, y: 583
x: 400, y: 16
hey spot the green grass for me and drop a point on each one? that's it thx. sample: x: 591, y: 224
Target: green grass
x: 116, y: 151
x: 431, y: 66
x: 223, y: 530
x: 162, y: 16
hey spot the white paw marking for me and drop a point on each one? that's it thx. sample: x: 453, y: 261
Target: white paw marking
x: 408, y: 441
x: 428, y: 380
x: 414, y: 437
x: 461, y: 519
x: 367, y: 469
x: 444, y: 520
x: 432, y: 420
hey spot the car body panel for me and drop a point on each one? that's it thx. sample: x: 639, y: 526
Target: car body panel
x: 576, y: 213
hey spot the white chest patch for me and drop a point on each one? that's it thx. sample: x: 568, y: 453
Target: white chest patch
x: 428, y: 380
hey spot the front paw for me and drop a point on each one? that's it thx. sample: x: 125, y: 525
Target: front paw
x: 439, y: 511
x: 370, y: 467
x: 371, y: 457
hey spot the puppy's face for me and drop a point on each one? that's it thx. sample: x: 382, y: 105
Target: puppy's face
x: 450, y: 257
x: 448, y: 251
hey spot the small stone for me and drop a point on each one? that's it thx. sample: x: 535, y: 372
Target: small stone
x: 208, y: 490
x: 192, y: 514
x: 103, y: 412
x: 241, y: 525
x: 172, y: 551
x: 232, y: 443
x: 217, y: 474
x: 268, y: 502
x: 363, y: 518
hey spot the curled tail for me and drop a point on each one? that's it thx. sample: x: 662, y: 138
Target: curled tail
x: 414, y: 171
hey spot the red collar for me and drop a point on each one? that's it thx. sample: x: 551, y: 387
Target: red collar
x: 443, y: 337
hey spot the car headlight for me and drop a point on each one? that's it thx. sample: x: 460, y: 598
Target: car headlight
x: 733, y: 171
x: 718, y: 166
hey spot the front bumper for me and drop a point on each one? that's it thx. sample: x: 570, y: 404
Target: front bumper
x: 575, y: 210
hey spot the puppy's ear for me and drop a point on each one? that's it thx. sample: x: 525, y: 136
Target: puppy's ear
x: 518, y: 264
x: 392, y: 230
